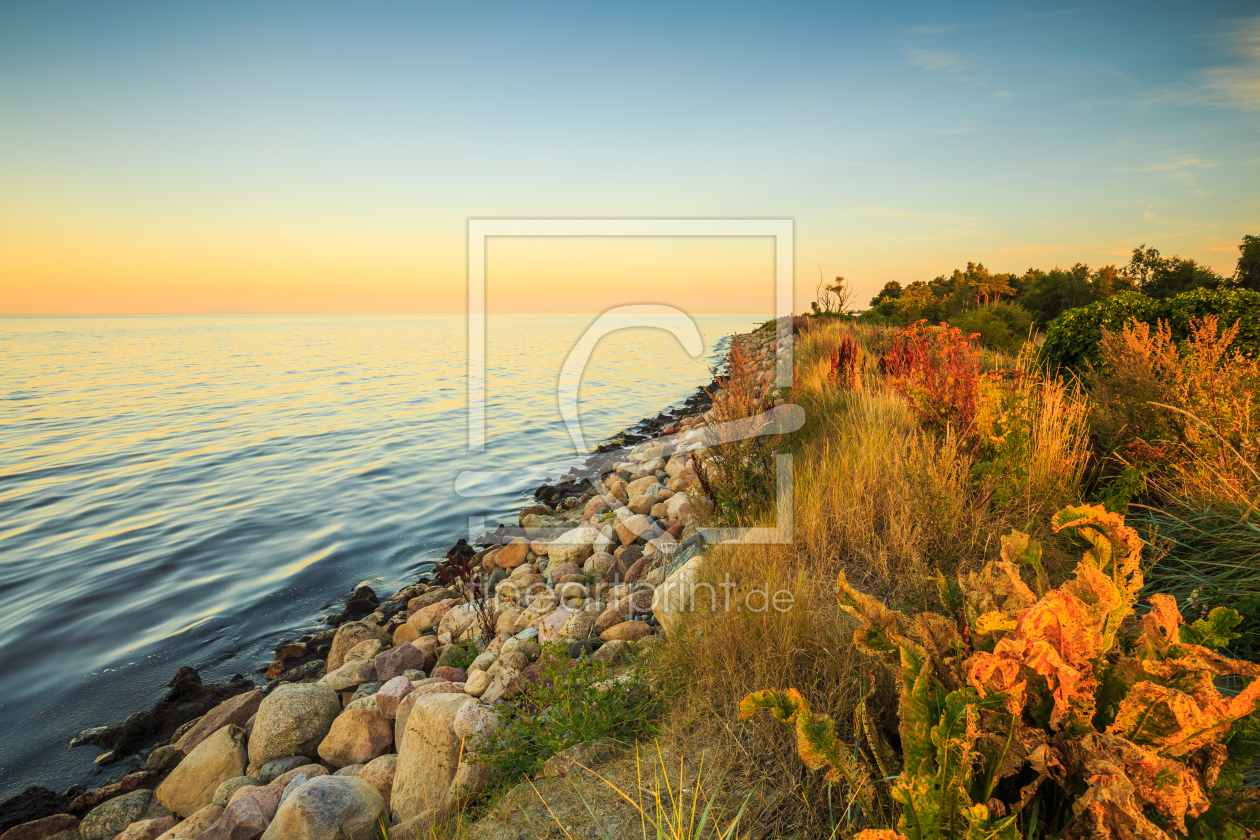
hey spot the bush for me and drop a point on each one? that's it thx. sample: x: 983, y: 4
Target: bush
x: 1003, y: 326
x: 1072, y: 338
x: 739, y: 475
x: 1188, y: 418
x: 1032, y: 714
x: 940, y: 376
x: 570, y: 702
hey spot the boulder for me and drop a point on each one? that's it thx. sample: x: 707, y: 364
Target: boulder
x: 457, y: 619
x: 106, y: 820
x: 676, y: 594
x: 330, y: 808
x: 223, y: 793
x: 391, y: 694
x: 191, y: 785
x: 405, y: 657
x: 363, y: 650
x: 292, y: 720
x: 478, y: 682
x: 426, y: 619
x: 573, y: 546
x: 379, y: 773
x: 147, y: 829
x: 626, y: 631
x: 350, y: 675
x: 450, y: 672
x: 350, y: 634
x: 235, y: 711
x: 247, y: 815
x: 42, y: 828
x: 634, y: 527
x: 427, y: 757
x: 513, y: 554
x: 310, y: 771
x: 192, y: 828
x: 272, y: 769
x: 505, y: 683
x: 357, y: 737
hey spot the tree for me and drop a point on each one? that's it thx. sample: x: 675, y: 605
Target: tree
x: 1165, y: 277
x: 891, y: 291
x: 1247, y: 275
x: 832, y: 298
x: 916, y: 301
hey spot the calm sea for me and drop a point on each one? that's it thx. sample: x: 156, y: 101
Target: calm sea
x: 193, y: 490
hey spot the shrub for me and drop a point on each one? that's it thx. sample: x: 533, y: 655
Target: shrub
x: 1023, y: 712
x: 739, y: 475
x: 1003, y: 326
x: 1187, y: 417
x: 570, y: 702
x: 942, y: 381
x: 1072, y: 338
x: 848, y: 365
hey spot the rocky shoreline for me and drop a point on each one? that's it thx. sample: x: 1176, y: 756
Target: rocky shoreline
x: 375, y: 720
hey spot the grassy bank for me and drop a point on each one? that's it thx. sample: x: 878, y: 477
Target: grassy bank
x: 920, y: 451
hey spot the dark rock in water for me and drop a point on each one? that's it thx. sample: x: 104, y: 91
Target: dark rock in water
x: 391, y: 608
x: 461, y: 549
x: 187, y: 699
x: 32, y: 804
x: 298, y: 674
x: 362, y: 602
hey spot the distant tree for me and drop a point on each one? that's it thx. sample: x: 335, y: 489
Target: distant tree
x: 1164, y: 277
x: 1052, y: 292
x: 1247, y: 275
x: 916, y: 301
x: 832, y: 298
x: 891, y: 291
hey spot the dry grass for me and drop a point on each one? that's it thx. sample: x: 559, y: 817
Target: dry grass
x: 875, y: 496
x: 890, y: 505
x: 1189, y: 414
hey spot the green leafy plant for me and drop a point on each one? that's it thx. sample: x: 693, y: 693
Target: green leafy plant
x: 1073, y: 337
x: 1025, y: 712
x: 567, y: 702
x: 461, y: 654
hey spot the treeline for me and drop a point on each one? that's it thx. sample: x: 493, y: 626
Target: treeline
x: 1002, y: 308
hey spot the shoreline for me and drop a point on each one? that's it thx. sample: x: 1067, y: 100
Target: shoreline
x: 606, y: 565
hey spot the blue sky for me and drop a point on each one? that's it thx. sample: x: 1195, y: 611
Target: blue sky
x: 201, y: 158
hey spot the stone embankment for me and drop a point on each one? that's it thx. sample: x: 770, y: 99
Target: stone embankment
x: 377, y: 721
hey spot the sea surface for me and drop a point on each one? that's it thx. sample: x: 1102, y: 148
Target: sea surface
x: 193, y: 490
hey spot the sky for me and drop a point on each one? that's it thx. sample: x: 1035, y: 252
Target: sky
x: 326, y: 158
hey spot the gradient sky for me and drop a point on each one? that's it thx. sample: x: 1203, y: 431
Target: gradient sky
x: 305, y: 157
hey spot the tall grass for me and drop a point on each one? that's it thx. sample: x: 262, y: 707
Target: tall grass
x: 891, y: 505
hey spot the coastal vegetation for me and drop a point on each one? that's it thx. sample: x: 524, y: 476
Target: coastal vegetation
x: 1016, y: 598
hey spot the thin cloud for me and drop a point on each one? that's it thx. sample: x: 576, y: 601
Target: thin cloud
x: 907, y: 214
x: 1182, y: 162
x: 969, y: 128
x: 1001, y: 94
x: 1148, y: 214
x: 1239, y: 85
x: 936, y: 61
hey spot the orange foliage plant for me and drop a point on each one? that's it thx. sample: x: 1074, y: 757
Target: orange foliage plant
x: 1026, y: 713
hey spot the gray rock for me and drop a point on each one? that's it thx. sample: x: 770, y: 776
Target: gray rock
x: 292, y: 720
x: 164, y: 758
x: 224, y: 792
x: 280, y: 766
x: 109, y: 818
x: 329, y: 808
